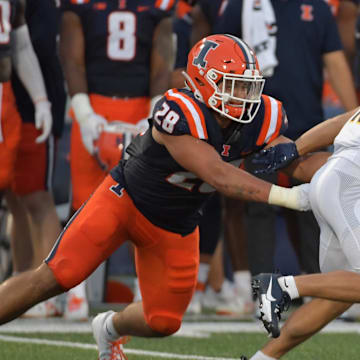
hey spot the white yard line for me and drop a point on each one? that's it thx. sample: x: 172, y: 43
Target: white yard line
x: 188, y: 329
x: 92, y: 346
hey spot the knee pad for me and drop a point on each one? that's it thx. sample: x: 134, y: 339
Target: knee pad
x: 166, y: 324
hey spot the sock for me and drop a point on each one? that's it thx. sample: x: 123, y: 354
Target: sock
x: 109, y: 329
x: 203, y: 272
x: 287, y: 283
x: 242, y: 281
x: 259, y: 355
x: 202, y: 276
x: 137, y: 292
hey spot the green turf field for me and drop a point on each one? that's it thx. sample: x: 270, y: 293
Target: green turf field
x: 80, y: 346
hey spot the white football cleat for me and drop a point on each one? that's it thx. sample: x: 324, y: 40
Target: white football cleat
x: 37, y: 311
x: 45, y: 309
x: 107, y: 350
x: 76, y: 308
x: 224, y: 302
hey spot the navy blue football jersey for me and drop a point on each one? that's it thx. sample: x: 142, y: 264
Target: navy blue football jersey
x: 167, y: 194
x: 118, y: 42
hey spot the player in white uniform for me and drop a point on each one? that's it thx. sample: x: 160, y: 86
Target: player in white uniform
x: 335, y: 199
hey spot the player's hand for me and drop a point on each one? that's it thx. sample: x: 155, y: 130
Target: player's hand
x: 296, y: 197
x: 275, y: 157
x: 43, y: 119
x: 302, y: 194
x: 142, y: 125
x: 90, y: 129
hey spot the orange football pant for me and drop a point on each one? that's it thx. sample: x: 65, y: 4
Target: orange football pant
x: 34, y: 164
x: 166, y: 262
x: 86, y: 173
x: 10, y: 132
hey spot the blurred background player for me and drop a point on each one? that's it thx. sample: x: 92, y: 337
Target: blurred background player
x: 301, y: 92
x: 17, y: 52
x: 117, y: 57
x: 35, y: 224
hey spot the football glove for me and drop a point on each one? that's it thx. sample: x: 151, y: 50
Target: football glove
x: 275, y: 157
x: 91, y: 124
x: 112, y: 142
x: 90, y: 130
x: 43, y: 119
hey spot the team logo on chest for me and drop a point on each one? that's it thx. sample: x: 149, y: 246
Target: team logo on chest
x: 307, y: 13
x: 226, y: 150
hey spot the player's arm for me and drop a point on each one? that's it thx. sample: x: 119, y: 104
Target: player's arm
x: 335, y: 64
x: 202, y: 160
x: 27, y: 66
x: 300, y: 159
x: 161, y: 59
x: 72, y: 56
x: 72, y: 53
x: 346, y: 21
x: 323, y: 134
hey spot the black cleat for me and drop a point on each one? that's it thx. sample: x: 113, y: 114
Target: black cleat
x: 273, y: 301
x: 242, y: 357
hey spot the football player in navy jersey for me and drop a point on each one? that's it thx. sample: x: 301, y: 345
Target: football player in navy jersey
x: 116, y: 58
x: 154, y: 197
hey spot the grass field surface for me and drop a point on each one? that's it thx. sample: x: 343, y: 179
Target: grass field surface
x: 55, y: 340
